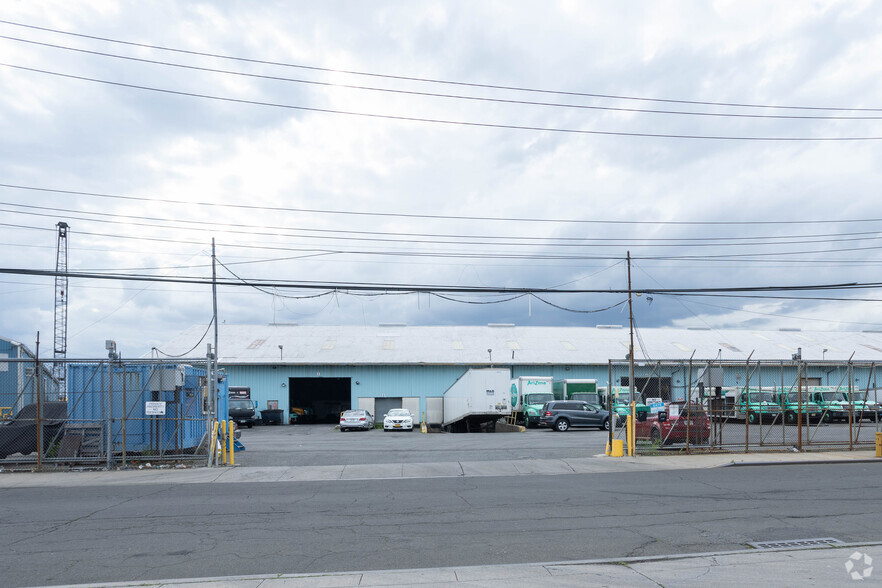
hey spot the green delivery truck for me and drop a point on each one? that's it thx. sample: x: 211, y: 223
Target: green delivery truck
x: 528, y: 396
x: 584, y: 390
x: 621, y: 401
x: 793, y: 403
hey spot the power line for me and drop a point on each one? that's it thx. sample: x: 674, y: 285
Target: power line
x: 436, y: 216
x: 461, y: 123
x: 547, y: 241
x: 394, y: 287
x: 565, y: 242
x: 437, y: 94
x: 435, y: 81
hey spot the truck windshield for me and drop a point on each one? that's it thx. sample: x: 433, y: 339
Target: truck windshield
x: 538, y: 398
x: 761, y: 397
x: 833, y: 396
x: 794, y: 397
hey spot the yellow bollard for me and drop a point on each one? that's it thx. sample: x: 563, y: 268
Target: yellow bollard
x: 618, y: 448
x: 232, y: 440
x: 212, y: 458
x: 223, y: 425
x: 629, y: 430
x: 878, y: 444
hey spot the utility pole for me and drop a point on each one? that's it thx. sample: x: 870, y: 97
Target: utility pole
x: 631, y: 323
x: 213, y: 401
x: 61, y: 295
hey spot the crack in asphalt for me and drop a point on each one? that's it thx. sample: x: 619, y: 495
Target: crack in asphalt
x: 58, y: 526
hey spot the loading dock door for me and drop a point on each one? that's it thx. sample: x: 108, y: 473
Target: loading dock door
x: 323, y: 399
x: 384, y: 405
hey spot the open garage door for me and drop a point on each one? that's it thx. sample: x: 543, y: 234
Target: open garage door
x: 321, y: 399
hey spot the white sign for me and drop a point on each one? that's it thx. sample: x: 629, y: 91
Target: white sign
x: 673, y: 411
x: 154, y: 408
x: 656, y: 407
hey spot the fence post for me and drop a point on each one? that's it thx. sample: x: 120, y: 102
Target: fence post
x: 799, y: 405
x: 124, y: 412
x: 747, y: 416
x: 39, y: 406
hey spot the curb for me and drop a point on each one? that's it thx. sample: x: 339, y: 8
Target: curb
x: 809, y: 462
x: 605, y: 561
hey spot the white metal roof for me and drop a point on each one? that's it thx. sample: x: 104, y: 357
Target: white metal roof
x: 443, y: 345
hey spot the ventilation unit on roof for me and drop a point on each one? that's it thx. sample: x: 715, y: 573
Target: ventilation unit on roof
x: 497, y: 325
x: 871, y: 331
x: 608, y: 326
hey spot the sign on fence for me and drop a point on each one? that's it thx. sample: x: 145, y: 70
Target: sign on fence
x: 153, y: 408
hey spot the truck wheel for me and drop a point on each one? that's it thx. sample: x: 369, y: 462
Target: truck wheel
x: 751, y: 418
x: 789, y: 417
x: 827, y: 417
x: 561, y: 425
x: 655, y: 436
x: 605, y: 425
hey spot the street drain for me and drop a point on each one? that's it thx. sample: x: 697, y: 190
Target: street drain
x: 821, y: 542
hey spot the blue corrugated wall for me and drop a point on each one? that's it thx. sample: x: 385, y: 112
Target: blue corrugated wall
x: 269, y: 382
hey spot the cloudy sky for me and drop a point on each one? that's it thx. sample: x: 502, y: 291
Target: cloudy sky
x: 525, y: 145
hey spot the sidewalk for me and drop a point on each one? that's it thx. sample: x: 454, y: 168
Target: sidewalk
x: 801, y: 567
x: 599, y: 464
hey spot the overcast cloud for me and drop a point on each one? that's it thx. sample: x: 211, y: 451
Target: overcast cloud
x: 61, y: 133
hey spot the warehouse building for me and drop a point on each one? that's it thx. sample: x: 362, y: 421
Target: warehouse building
x: 323, y: 370
x: 19, y: 381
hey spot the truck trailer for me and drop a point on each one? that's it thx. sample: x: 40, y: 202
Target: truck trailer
x: 584, y: 390
x: 479, y: 396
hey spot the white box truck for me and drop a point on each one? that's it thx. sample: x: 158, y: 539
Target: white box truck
x: 481, y: 395
x: 528, y: 396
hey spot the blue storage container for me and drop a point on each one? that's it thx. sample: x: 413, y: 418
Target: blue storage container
x: 127, y: 412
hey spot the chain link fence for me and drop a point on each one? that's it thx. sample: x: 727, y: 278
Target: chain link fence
x: 106, y: 413
x: 742, y: 407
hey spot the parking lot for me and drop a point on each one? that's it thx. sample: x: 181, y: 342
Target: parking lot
x: 325, y: 445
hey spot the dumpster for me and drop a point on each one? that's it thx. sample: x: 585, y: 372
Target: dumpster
x: 271, y: 416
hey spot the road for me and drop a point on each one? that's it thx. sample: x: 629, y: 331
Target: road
x: 61, y: 535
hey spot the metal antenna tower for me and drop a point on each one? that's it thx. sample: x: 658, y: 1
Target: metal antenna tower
x: 61, y: 295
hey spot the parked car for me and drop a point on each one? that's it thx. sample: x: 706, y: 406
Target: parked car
x: 560, y: 415
x: 242, y: 411
x: 356, y: 419
x: 398, y: 419
x: 687, y: 421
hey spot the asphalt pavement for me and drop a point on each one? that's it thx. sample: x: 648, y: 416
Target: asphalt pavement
x: 825, y: 565
x: 839, y: 566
